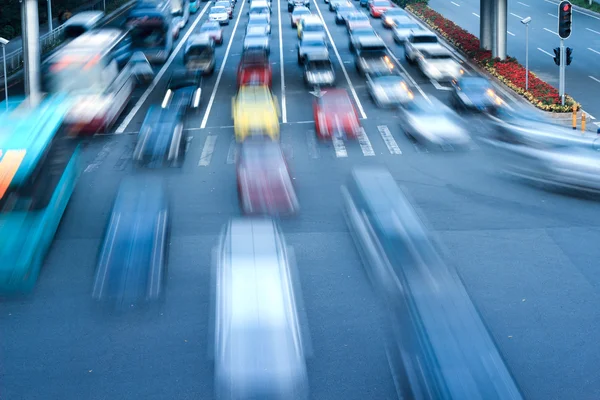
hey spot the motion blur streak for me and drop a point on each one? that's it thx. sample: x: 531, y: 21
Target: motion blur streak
x: 132, y: 258
x: 259, y: 348
x: 438, y: 340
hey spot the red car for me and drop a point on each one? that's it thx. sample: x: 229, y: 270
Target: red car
x: 263, y: 179
x: 378, y: 7
x: 254, y: 69
x: 335, y: 115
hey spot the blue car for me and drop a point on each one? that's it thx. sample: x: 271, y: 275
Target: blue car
x: 364, y: 3
x: 132, y: 262
x: 194, y: 6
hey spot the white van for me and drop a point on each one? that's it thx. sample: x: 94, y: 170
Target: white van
x: 81, y: 23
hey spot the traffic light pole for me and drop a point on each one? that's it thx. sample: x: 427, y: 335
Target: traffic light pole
x: 563, y: 64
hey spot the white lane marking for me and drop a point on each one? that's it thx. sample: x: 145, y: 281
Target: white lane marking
x: 340, y: 149
x: 214, y: 92
x: 207, y: 151
x: 591, y: 30
x: 515, y: 15
x: 232, y: 153
x: 365, y: 143
x: 510, y: 33
x: 457, y: 5
x: 283, y: 103
x: 389, y: 140
x: 552, y: 32
x: 337, y: 54
x: 595, y: 51
x: 311, y: 141
x: 574, y: 9
x: 545, y: 52
x: 523, y: 4
x: 437, y: 85
x: 596, y: 79
x: 158, y: 77
x: 552, y: 15
x: 477, y: 15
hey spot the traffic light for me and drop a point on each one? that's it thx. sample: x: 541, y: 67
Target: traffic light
x: 569, y: 55
x: 565, y: 18
x: 557, y: 56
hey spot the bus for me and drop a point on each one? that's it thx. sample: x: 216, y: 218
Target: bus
x: 152, y: 30
x: 90, y: 70
x: 38, y: 170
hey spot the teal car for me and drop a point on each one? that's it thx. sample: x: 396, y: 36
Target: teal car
x: 194, y: 6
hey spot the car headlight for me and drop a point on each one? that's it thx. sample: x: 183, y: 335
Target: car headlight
x: 310, y: 76
x: 389, y: 21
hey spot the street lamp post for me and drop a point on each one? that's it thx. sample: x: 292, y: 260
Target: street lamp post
x: 3, y: 43
x: 49, y: 15
x: 526, y: 22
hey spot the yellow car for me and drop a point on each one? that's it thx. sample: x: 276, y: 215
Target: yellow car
x: 255, y: 112
x: 311, y: 24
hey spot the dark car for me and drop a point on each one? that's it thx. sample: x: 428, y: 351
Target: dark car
x: 311, y: 44
x: 318, y: 70
x: 475, y: 93
x: 132, y: 262
x: 342, y: 13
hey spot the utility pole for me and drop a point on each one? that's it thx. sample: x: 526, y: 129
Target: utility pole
x: 562, y: 67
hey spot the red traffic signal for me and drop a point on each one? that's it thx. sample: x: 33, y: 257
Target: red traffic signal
x: 567, y: 7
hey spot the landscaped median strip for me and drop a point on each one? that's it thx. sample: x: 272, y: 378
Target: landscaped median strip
x: 509, y: 72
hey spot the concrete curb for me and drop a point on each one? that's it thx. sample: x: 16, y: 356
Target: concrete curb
x: 564, y: 119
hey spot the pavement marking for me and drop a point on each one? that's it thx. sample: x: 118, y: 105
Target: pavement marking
x: 595, y: 51
x: 232, y: 153
x: 545, y: 52
x: 358, y: 103
x: 510, y: 33
x: 437, y: 85
x: 477, y: 15
x: 515, y: 15
x: 214, y: 92
x: 457, y: 5
x: 523, y: 4
x: 552, y: 15
x: 552, y: 32
x: 389, y: 140
x: 591, y: 30
x: 283, y: 103
x: 574, y: 9
x: 365, y: 143
x: 340, y: 149
x: 311, y: 141
x: 207, y: 150
x: 159, y: 76
x: 596, y: 79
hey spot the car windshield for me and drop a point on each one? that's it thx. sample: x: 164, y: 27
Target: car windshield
x: 314, y: 27
x: 438, y: 57
x: 425, y: 39
x: 217, y: 10
x: 259, y: 10
x: 303, y: 11
x: 313, y: 42
x: 388, y: 80
x: 407, y: 26
x: 358, y: 17
x: 209, y: 28
x: 258, y: 20
x: 346, y: 9
x: 366, y: 31
x: 475, y: 85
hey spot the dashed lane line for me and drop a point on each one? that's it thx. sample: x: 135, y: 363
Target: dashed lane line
x: 477, y: 15
x: 232, y: 153
x: 545, y: 52
x: 595, y: 51
x: 515, y: 15
x: 207, y: 151
x: 552, y: 32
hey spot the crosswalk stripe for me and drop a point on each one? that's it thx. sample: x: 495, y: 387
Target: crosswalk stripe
x: 207, y: 150
x: 365, y: 144
x: 232, y: 153
x: 389, y: 140
x: 340, y: 149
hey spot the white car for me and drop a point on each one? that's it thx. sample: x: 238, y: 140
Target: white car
x: 402, y: 30
x: 219, y: 14
x: 389, y: 90
x: 263, y: 20
x: 439, y: 65
x: 299, y: 13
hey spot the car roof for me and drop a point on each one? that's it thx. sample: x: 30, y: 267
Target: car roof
x: 218, y: 8
x: 199, y: 39
x: 313, y: 19
x: 312, y: 37
x: 436, y: 51
x: 301, y: 8
x: 254, y: 94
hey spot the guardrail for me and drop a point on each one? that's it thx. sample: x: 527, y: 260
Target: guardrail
x: 50, y: 40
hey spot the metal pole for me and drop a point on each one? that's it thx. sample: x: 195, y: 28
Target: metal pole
x: 526, y: 57
x: 562, y: 72
x: 5, y: 77
x: 104, y: 5
x: 49, y: 15
x: 486, y: 24
x: 500, y: 27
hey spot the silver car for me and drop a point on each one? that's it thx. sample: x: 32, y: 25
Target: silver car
x: 389, y: 90
x: 219, y: 14
x: 402, y: 30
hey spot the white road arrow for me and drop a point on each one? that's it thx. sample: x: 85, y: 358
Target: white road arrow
x: 318, y: 92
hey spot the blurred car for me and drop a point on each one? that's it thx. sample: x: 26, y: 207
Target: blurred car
x: 364, y: 3
x: 132, y: 262
x: 311, y: 44
x: 298, y: 14
x: 311, y: 25
x: 318, y: 70
x: 402, y: 30
x: 199, y: 54
x: 263, y: 179
x: 335, y: 115
x: 259, y: 20
x: 227, y: 4
x: 388, y: 89
x: 378, y: 7
x: 177, y: 25
x: 439, y: 64
x: 259, y: 348
x: 372, y: 56
x: 257, y: 39
x: 255, y: 112
x: 357, y: 20
x: 292, y: 4
x: 475, y: 93
x: 335, y: 4
x: 219, y: 14
x: 342, y: 13
x: 433, y: 124
x: 194, y: 6
x: 213, y: 30
x: 254, y: 69
x: 393, y: 16
x: 260, y: 8
x: 361, y: 32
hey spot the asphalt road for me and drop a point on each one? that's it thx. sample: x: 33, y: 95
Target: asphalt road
x: 583, y: 76
x: 528, y: 257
